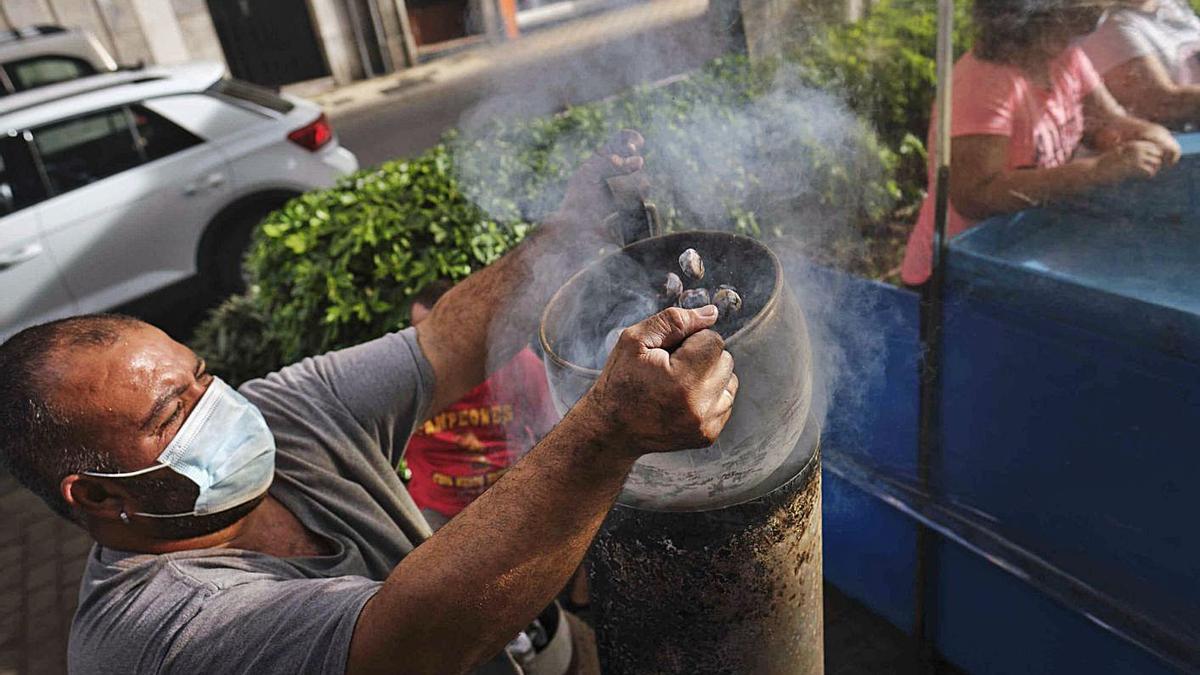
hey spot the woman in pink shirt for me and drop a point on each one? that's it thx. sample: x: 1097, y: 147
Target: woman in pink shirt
x: 1025, y: 99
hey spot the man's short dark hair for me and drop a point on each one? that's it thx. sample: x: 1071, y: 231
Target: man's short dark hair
x: 39, y: 445
x: 432, y: 292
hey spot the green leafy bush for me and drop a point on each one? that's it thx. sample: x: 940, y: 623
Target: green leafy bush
x: 334, y: 267
x: 884, y: 67
x: 235, y: 340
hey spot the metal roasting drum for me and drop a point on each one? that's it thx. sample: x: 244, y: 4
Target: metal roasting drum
x: 768, y: 339
x: 711, y: 560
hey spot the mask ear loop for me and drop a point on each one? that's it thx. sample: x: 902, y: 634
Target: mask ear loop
x: 125, y: 518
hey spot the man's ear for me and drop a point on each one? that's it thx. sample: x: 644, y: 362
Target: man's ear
x: 95, y: 497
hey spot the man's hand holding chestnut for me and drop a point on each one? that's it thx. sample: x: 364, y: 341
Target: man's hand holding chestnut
x: 668, y: 385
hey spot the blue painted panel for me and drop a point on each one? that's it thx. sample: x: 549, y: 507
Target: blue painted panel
x: 1078, y: 451
x: 988, y: 621
x: 1071, y: 391
x: 870, y: 550
x: 1131, y: 280
x: 873, y: 415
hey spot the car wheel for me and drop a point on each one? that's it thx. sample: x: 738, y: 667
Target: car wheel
x: 227, y: 270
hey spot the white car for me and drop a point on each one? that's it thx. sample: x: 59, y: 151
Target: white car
x: 122, y: 184
x: 37, y: 56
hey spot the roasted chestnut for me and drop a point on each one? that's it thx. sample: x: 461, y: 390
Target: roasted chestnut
x: 691, y: 264
x: 727, y: 300
x: 694, y: 299
x: 672, y: 287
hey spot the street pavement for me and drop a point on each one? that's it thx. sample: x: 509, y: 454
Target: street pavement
x: 41, y: 559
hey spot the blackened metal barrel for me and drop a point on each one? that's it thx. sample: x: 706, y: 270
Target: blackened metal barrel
x: 734, y: 590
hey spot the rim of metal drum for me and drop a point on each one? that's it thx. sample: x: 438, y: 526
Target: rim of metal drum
x: 811, y: 429
x: 800, y: 474
x: 767, y: 308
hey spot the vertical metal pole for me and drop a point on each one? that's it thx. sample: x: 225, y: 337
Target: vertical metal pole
x: 410, y: 42
x: 932, y: 310
x: 360, y: 38
x: 385, y: 56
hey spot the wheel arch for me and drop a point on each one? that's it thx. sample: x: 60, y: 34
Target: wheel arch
x: 232, y: 215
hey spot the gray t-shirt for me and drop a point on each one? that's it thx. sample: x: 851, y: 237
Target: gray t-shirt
x: 340, y: 423
x: 1171, y: 33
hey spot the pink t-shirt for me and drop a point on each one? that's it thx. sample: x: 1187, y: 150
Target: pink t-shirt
x: 1043, y: 126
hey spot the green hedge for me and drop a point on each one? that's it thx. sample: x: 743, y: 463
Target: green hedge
x: 336, y: 267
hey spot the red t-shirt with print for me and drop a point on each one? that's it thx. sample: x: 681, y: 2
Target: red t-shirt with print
x: 461, y: 451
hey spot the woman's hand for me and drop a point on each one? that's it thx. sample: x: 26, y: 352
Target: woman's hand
x: 1131, y: 159
x: 1125, y: 129
x: 1159, y: 136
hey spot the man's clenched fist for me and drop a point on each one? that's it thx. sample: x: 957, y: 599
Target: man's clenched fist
x: 668, y: 384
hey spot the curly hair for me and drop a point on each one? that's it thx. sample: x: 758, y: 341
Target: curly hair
x: 1007, y: 29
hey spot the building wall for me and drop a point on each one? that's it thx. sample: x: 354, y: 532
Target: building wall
x: 25, y: 12
x: 161, y: 30
x: 196, y: 24
x: 331, y: 22
x: 117, y: 26
x: 174, y: 31
x: 133, y: 31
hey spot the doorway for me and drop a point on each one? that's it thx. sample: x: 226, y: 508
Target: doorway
x: 268, y: 42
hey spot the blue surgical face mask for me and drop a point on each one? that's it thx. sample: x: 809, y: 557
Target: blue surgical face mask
x: 224, y: 446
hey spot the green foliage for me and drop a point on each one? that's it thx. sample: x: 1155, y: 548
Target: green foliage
x: 235, y: 342
x: 767, y: 151
x: 337, y: 266
x: 884, y: 68
x: 727, y: 145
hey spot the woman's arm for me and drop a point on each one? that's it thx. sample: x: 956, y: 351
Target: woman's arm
x: 981, y: 185
x: 1108, y: 126
x: 1144, y: 87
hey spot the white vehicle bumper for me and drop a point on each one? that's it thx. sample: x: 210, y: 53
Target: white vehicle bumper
x: 340, y: 159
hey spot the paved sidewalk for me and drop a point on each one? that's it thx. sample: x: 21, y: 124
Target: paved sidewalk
x: 41, y: 560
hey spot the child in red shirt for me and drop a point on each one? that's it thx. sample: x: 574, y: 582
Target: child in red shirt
x: 460, y: 452
x: 1024, y: 100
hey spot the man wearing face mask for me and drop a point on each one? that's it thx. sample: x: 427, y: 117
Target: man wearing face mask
x: 264, y: 530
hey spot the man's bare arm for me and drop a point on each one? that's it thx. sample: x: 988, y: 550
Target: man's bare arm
x: 483, y: 321
x: 458, y: 598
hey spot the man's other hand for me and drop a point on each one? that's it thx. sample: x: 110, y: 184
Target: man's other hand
x: 607, y: 182
x: 668, y: 384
